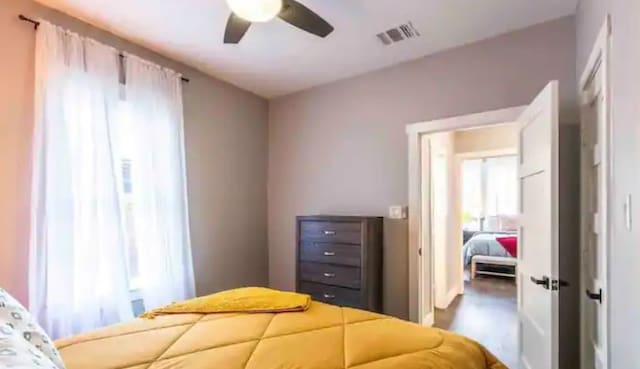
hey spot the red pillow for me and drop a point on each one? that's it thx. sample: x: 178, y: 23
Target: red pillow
x: 510, y: 243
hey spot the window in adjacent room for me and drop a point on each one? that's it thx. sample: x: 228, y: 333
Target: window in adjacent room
x: 489, y: 193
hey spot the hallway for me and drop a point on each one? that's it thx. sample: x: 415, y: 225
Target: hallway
x: 487, y: 312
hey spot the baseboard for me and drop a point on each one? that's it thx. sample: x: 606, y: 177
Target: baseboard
x: 444, y: 301
x: 428, y: 320
x: 451, y: 295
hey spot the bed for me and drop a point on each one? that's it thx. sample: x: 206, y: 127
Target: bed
x: 323, y: 337
x: 488, y: 244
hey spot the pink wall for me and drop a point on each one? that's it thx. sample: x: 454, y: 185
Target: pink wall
x: 16, y: 115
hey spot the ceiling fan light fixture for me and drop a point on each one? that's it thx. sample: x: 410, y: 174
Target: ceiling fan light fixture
x: 255, y: 10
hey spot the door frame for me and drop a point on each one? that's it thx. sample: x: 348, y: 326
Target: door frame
x: 418, y: 240
x: 599, y: 59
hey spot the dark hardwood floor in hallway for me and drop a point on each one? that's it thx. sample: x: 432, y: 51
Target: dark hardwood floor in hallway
x: 487, y: 313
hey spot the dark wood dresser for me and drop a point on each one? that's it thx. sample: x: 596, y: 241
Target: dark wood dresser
x: 339, y: 260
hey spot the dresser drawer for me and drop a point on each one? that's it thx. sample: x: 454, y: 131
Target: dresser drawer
x: 339, y: 232
x: 332, y: 253
x: 331, y: 294
x: 330, y: 274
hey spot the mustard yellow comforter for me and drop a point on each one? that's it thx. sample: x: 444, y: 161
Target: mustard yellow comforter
x: 323, y: 337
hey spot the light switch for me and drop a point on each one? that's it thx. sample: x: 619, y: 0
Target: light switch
x: 398, y: 212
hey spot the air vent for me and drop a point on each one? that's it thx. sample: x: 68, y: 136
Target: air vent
x: 400, y: 33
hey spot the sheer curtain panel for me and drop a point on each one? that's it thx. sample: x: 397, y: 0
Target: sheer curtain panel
x: 77, y: 271
x: 109, y: 200
x: 152, y: 139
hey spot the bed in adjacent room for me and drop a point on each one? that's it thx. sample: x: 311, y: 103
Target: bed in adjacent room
x: 499, y: 244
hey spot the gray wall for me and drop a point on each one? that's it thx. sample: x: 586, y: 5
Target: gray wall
x: 589, y: 19
x: 342, y: 149
x: 625, y: 251
x: 226, y: 146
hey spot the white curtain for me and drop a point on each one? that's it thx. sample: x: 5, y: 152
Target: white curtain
x: 152, y: 140
x: 502, y: 186
x: 77, y: 271
x: 109, y: 209
x: 489, y: 192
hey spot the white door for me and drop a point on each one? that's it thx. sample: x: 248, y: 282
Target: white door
x: 595, y: 219
x: 538, y: 233
x: 425, y: 270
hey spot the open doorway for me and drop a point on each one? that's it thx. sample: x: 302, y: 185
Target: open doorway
x: 535, y: 341
x: 474, y: 190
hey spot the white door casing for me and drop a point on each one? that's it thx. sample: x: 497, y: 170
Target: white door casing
x: 596, y: 218
x: 415, y: 133
x: 538, y: 232
x: 594, y: 227
x: 426, y: 273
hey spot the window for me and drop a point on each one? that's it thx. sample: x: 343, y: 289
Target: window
x: 127, y: 209
x: 109, y: 210
x: 128, y: 200
x: 490, y: 193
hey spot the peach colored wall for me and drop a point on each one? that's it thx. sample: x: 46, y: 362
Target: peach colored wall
x: 342, y: 148
x: 16, y: 115
x: 226, y: 149
x: 501, y: 137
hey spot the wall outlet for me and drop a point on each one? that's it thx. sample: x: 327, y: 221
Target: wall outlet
x: 398, y: 212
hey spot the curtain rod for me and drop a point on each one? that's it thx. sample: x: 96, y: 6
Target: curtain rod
x: 36, y: 24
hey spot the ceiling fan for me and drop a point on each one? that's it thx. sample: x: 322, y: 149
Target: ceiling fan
x: 245, y: 12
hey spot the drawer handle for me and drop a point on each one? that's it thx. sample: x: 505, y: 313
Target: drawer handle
x: 329, y: 233
x: 330, y: 275
x: 329, y: 296
x: 329, y: 253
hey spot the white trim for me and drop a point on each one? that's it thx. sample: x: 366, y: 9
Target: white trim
x: 492, y: 117
x: 453, y: 293
x: 445, y: 300
x: 428, y: 320
x: 599, y: 60
x: 415, y: 132
x: 415, y: 217
x: 487, y: 154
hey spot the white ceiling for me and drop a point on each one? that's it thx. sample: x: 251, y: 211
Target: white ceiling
x: 276, y: 59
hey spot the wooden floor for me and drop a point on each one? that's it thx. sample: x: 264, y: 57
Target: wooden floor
x: 487, y: 312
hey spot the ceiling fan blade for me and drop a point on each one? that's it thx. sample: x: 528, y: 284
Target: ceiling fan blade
x: 304, y: 18
x: 236, y: 28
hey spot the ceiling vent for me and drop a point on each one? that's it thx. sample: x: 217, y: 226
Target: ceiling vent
x: 400, y: 33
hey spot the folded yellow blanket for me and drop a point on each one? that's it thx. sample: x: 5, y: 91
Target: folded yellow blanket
x: 241, y: 300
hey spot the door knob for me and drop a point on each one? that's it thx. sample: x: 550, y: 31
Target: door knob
x: 595, y: 296
x: 544, y: 282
